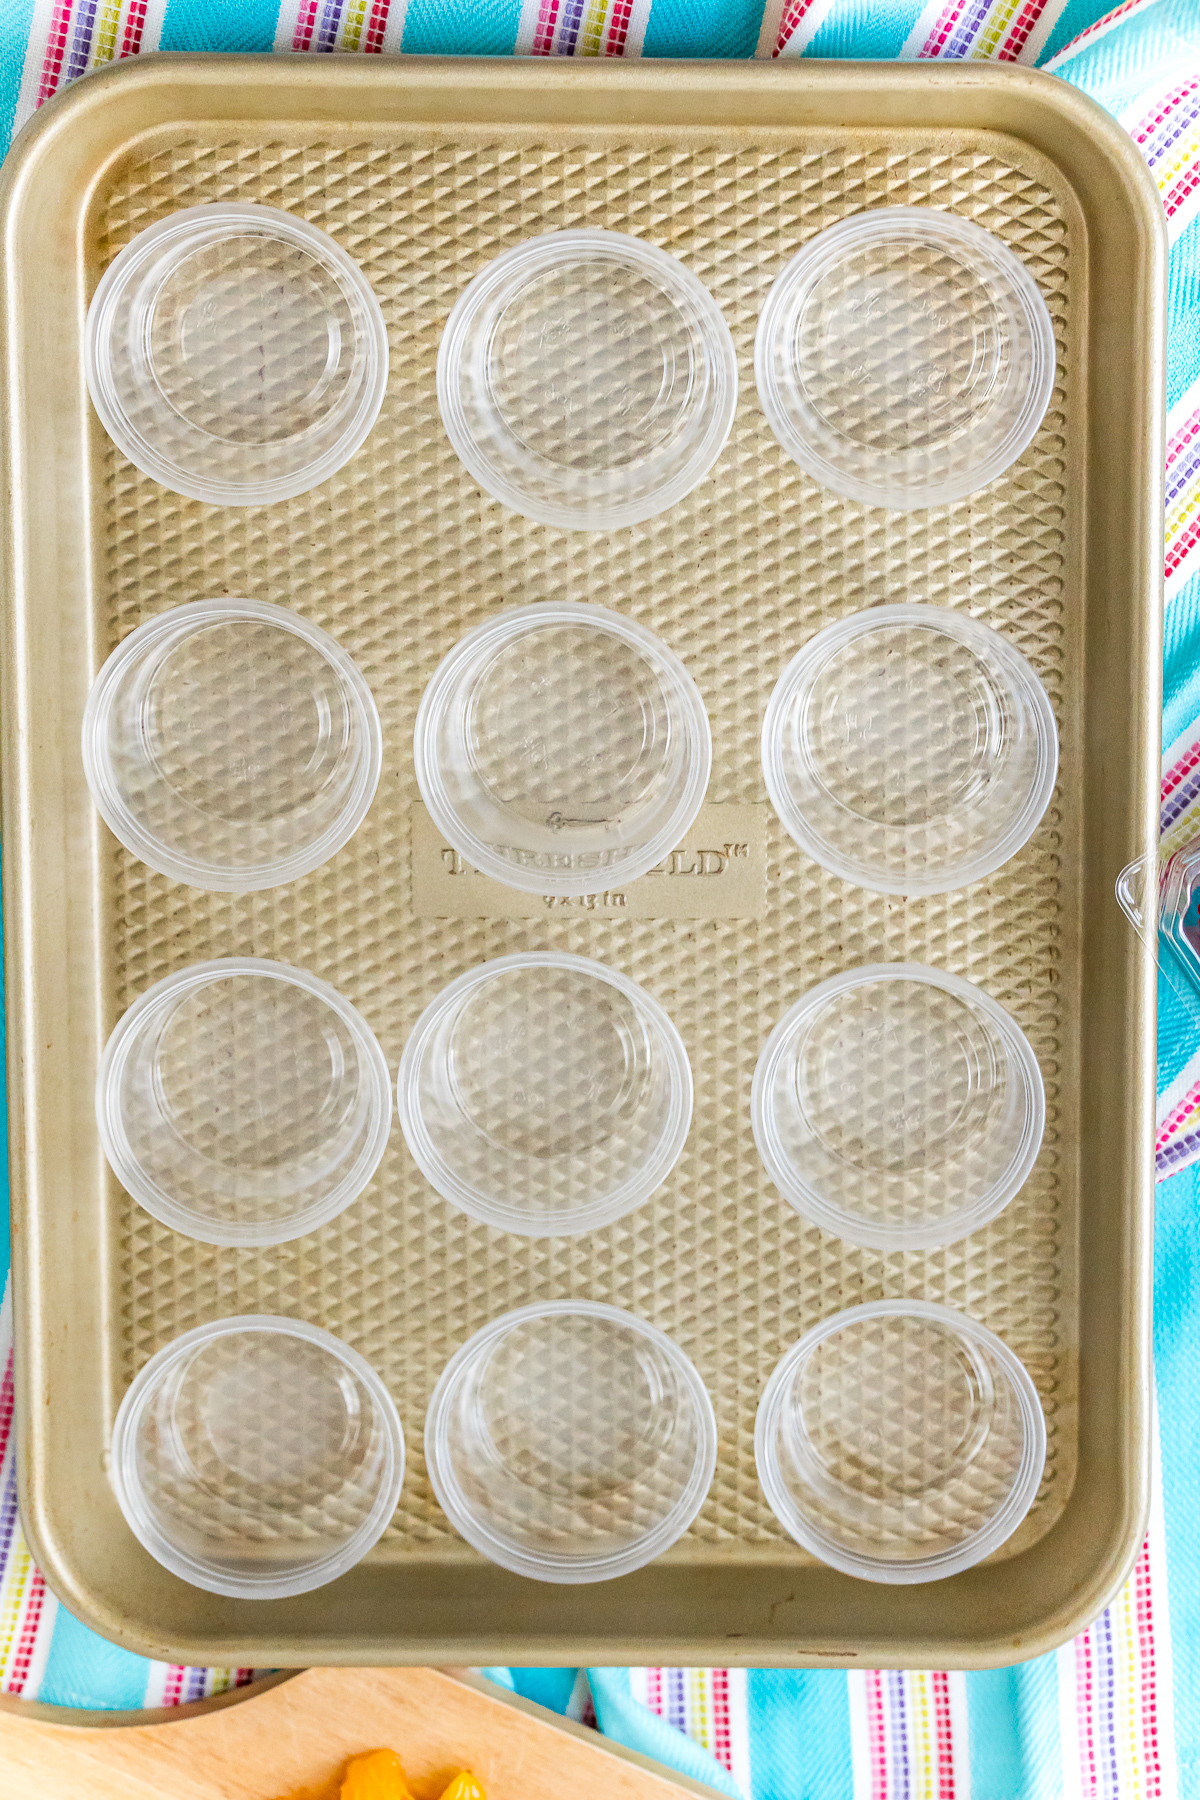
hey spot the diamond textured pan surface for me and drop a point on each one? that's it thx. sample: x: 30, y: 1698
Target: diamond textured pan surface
x: 400, y: 553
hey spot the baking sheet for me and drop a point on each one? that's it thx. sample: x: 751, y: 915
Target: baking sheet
x: 423, y: 171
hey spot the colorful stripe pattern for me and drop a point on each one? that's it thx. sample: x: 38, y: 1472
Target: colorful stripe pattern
x: 1177, y: 1140
x: 1116, y: 1714
x: 910, y: 1731
x: 909, y: 1734
x: 1183, y: 492
x: 68, y: 38
x: 582, y: 28
x: 709, y: 1705
x: 1177, y: 1136
x: 1165, y: 125
x: 797, y: 24
x: 1092, y: 34
x: 370, y: 26
x: 26, y: 1607
x: 1180, y: 785
x: 1006, y: 30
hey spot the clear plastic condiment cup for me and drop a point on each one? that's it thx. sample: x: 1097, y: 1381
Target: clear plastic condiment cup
x: 587, y: 379
x: 545, y: 1094
x: 910, y: 749
x: 898, y: 1106
x: 236, y: 354
x: 900, y: 1441
x: 562, y: 748
x: 570, y: 1441
x: 905, y: 357
x: 257, y: 1457
x: 243, y: 1102
x: 231, y: 745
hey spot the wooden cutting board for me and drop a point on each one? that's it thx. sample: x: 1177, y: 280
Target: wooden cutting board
x: 293, y: 1742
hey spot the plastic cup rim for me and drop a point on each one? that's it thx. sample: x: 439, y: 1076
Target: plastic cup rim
x: 202, y: 223
x: 633, y: 1191
x: 195, y: 1570
x: 160, y: 1204
x: 125, y: 825
x: 565, y: 1569
x: 948, y: 1228
x: 485, y: 641
x: 545, y: 251
x: 980, y: 1543
x: 1024, y: 687
x: 823, y: 252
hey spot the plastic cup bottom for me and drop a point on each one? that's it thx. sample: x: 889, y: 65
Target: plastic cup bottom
x: 570, y: 1442
x: 898, y: 1106
x: 562, y: 749
x: 905, y: 357
x: 257, y: 1457
x: 236, y: 354
x: 900, y: 1442
x: 243, y: 1102
x: 231, y: 745
x: 545, y: 1094
x: 587, y: 379
x: 909, y: 749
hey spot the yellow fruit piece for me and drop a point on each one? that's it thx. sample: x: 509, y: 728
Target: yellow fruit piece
x: 379, y: 1776
x: 464, y: 1787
